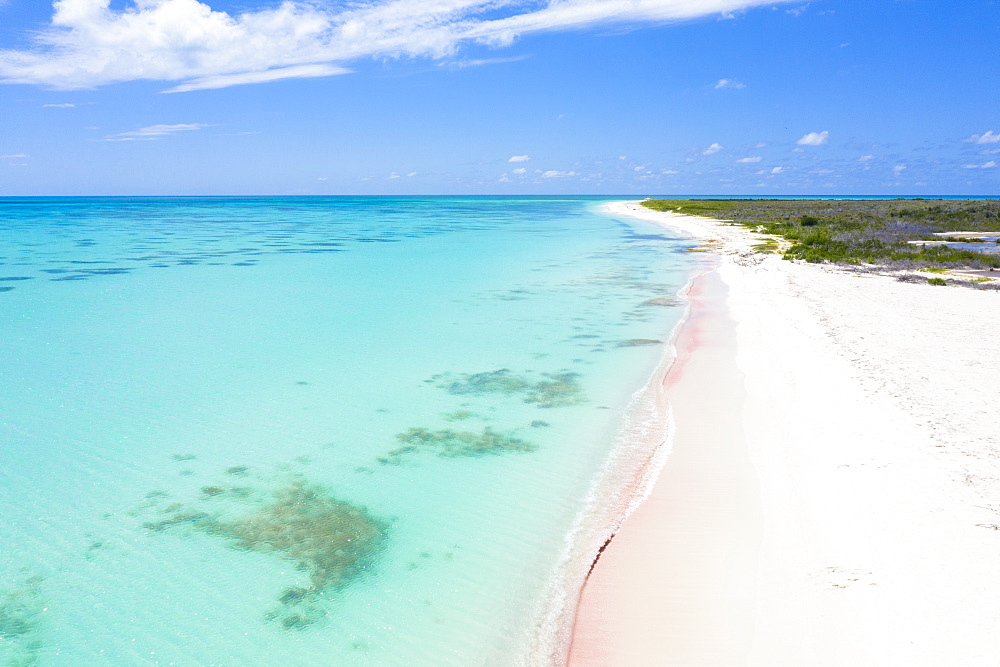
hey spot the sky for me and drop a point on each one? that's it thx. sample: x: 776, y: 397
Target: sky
x: 602, y: 97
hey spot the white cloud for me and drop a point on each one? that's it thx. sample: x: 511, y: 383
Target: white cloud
x: 986, y: 165
x: 866, y: 158
x: 729, y: 83
x: 899, y: 169
x: 750, y: 160
x: 989, y: 151
x: 59, y: 106
x: 519, y: 170
x: 814, y: 139
x: 988, y: 137
x: 777, y: 170
x: 463, y: 64
x: 153, y: 132
x: 88, y: 43
x: 518, y: 158
x: 713, y: 149
x: 411, y: 174
x: 553, y: 173
x: 15, y: 156
x: 227, y: 80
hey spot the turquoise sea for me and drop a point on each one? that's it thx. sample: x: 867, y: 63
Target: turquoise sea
x: 315, y: 431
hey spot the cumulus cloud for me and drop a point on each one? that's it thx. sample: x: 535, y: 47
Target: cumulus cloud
x: 750, y: 160
x: 899, y: 169
x: 988, y: 137
x: 986, y: 165
x: 519, y: 170
x: 88, y: 43
x: 729, y: 83
x: 713, y: 149
x: 814, y: 139
x: 553, y: 173
x: 153, y: 132
x: 518, y: 158
x: 866, y: 158
x: 777, y: 170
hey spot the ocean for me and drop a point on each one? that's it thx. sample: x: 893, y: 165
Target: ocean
x: 314, y: 430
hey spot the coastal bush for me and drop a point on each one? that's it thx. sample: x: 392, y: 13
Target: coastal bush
x: 859, y: 232
x: 937, y: 281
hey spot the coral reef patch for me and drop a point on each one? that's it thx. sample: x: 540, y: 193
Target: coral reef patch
x: 21, y: 608
x: 331, y: 540
x: 450, y: 444
x: 552, y: 391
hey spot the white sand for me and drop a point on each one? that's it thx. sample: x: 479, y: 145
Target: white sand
x: 861, y: 459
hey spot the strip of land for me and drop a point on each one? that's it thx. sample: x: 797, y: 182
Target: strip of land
x: 833, y: 493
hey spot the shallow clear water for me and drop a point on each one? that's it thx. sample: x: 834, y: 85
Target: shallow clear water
x: 309, y: 431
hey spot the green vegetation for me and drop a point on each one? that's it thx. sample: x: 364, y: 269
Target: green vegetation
x: 872, y: 232
x: 937, y: 281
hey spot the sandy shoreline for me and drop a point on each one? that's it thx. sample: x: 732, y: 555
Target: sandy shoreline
x: 834, y: 485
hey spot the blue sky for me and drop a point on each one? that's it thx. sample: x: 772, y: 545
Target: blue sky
x: 179, y: 97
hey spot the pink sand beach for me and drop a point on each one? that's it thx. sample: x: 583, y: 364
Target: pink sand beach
x: 832, y: 492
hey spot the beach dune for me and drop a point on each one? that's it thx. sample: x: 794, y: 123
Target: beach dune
x: 833, y: 492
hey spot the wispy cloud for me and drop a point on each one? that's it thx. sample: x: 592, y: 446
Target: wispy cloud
x: 553, y: 173
x: 777, y: 170
x: 750, y: 160
x: 227, y: 80
x: 518, y: 158
x: 729, y: 83
x: 713, y: 149
x: 988, y: 137
x: 153, y: 132
x: 59, y: 106
x: 814, y: 139
x: 15, y: 156
x: 463, y: 64
x: 89, y: 44
x: 986, y: 165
